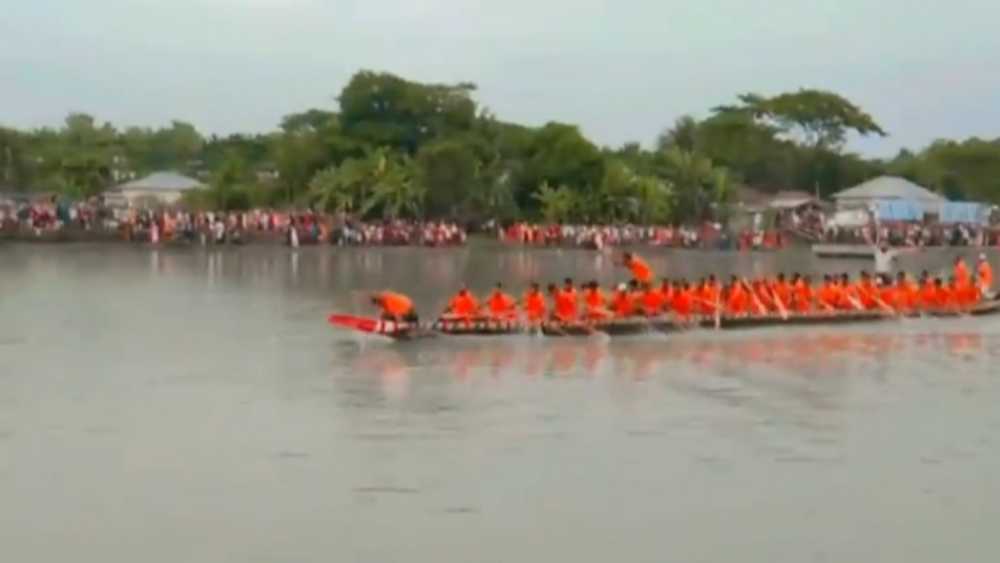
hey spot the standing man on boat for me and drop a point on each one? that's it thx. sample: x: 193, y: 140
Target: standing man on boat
x: 984, y: 277
x: 641, y: 272
x: 884, y: 258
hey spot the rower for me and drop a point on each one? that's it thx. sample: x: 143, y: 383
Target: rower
x: 564, y: 309
x: 569, y: 289
x: 622, y: 303
x: 709, y: 296
x: 641, y: 272
x: 395, y: 306
x: 961, y: 271
x: 984, y: 277
x: 907, y: 293
x: 534, y: 304
x: 595, y: 302
x: 866, y: 291
x: 652, y: 300
x: 804, y: 294
x: 736, y: 298
x: 501, y: 305
x: 463, y: 306
x: 782, y: 291
x: 683, y: 302
x: 928, y: 292
x: 829, y: 294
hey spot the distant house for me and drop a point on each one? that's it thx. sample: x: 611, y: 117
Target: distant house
x: 794, y: 200
x: 159, y: 188
x: 887, y: 189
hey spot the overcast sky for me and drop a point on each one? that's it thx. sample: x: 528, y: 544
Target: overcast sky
x: 622, y: 70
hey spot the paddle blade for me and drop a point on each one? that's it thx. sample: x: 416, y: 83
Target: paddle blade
x: 362, y: 324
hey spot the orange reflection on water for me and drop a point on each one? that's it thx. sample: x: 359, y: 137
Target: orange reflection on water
x: 643, y: 358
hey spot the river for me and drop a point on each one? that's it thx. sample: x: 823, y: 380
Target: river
x: 192, y: 405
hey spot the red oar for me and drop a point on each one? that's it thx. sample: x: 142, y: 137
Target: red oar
x: 363, y: 324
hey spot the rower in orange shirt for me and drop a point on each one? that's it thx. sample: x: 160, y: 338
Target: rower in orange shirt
x: 534, y: 304
x: 803, y: 293
x: 907, y: 294
x: 888, y: 293
x: 652, y: 301
x: 984, y: 277
x: 641, y: 272
x: 709, y: 296
x: 622, y: 303
x: 848, y: 295
x: 565, y: 306
x: 966, y: 296
x: 867, y: 292
x: 501, y: 305
x: 463, y: 306
x: 961, y: 271
x: 595, y: 302
x: 683, y: 302
x: 395, y: 306
x: 782, y: 291
x: 737, y: 300
x: 829, y: 294
x: 928, y: 292
x: 944, y: 297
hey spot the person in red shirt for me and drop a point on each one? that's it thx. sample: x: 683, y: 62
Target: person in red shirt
x: 463, y: 306
x: 803, y: 294
x: 683, y: 302
x: 595, y: 302
x: 907, y: 294
x: 622, y: 303
x: 984, y: 277
x: 501, y: 306
x: 928, y: 292
x: 829, y: 294
x: 564, y: 304
x: 737, y: 300
x: 653, y: 301
x: 709, y: 298
x: 534, y: 304
x: 961, y: 273
x: 395, y: 306
x: 641, y: 272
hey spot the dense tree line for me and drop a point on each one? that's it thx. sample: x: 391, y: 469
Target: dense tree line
x: 393, y: 147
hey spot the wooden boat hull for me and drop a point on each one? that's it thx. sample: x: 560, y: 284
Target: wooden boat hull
x: 631, y: 326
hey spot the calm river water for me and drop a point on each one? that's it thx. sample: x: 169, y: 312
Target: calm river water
x: 191, y: 405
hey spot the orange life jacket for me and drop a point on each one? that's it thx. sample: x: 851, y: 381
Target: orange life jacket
x: 640, y: 270
x: 395, y: 304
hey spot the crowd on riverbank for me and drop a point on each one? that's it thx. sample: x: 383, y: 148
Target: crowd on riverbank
x: 91, y: 221
x: 914, y: 235
x: 707, y: 236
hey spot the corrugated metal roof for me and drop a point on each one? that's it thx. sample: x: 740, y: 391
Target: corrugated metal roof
x: 889, y: 187
x: 162, y: 182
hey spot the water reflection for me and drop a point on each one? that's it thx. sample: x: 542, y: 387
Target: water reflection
x: 823, y: 354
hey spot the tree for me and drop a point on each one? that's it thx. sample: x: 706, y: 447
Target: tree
x: 684, y: 135
x: 387, y: 111
x: 447, y: 171
x: 557, y: 204
x: 815, y: 118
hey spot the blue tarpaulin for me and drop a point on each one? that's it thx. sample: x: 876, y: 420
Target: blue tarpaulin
x: 899, y: 210
x: 963, y: 212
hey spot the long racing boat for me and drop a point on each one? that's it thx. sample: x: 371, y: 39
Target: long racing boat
x: 631, y: 325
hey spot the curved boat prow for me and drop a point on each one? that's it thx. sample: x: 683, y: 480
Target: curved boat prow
x: 362, y: 324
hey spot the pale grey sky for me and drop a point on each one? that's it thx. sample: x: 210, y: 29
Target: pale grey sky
x: 622, y: 70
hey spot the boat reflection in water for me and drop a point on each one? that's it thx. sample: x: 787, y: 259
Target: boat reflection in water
x: 818, y: 354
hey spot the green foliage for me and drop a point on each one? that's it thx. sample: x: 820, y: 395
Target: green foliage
x: 817, y: 118
x: 393, y: 147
